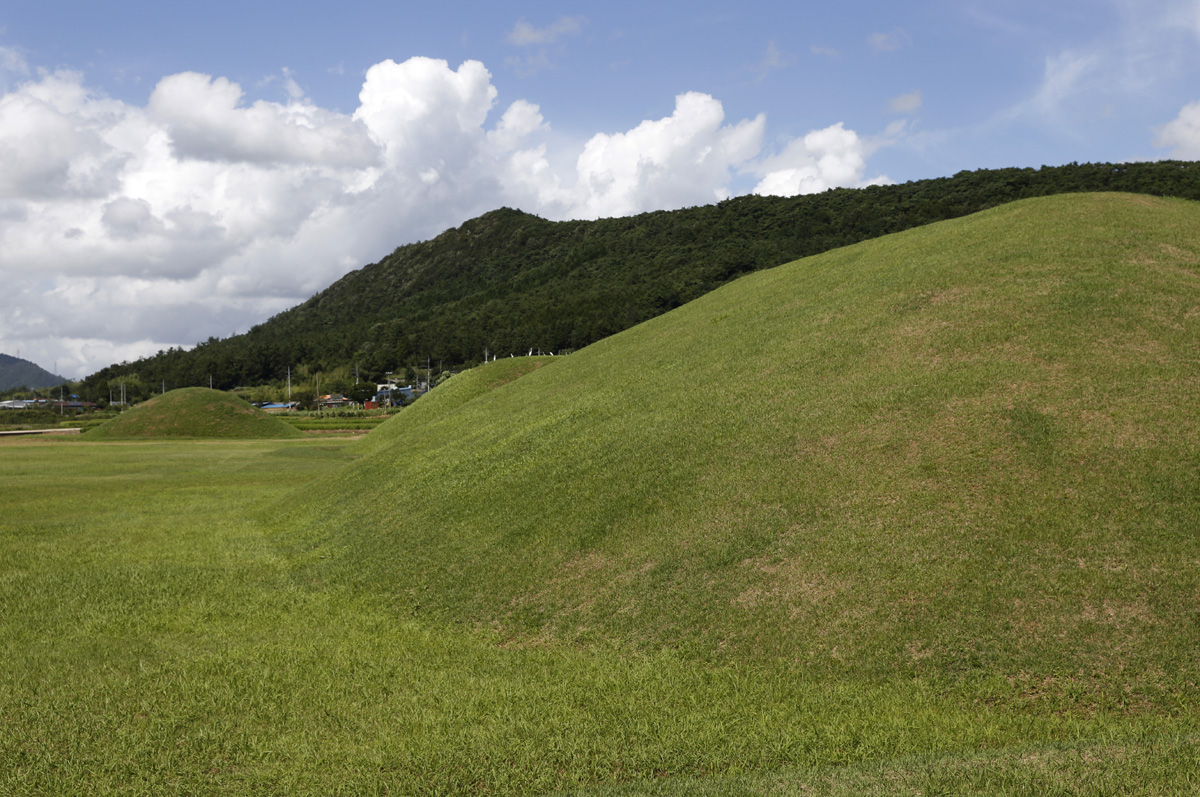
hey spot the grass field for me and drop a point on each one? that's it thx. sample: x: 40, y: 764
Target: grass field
x: 156, y: 640
x: 333, y: 424
x: 917, y: 517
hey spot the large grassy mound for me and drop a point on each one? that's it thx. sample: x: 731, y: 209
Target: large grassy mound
x: 966, y: 453
x: 194, y: 412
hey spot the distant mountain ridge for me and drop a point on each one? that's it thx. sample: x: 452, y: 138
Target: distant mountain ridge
x: 510, y: 282
x: 15, y: 372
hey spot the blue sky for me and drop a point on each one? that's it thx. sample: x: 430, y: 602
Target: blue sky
x: 172, y: 172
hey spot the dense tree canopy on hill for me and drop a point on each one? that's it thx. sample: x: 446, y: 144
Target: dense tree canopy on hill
x: 15, y: 372
x: 508, y: 282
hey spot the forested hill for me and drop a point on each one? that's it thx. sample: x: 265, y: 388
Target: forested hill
x: 15, y: 372
x: 508, y: 281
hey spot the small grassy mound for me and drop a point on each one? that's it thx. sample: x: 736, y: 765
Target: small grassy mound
x: 194, y: 412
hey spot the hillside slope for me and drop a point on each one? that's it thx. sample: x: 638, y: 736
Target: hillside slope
x: 194, y: 412
x: 508, y: 281
x: 967, y: 451
x: 15, y: 372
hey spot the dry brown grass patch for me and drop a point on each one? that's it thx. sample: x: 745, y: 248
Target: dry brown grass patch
x: 1119, y: 613
x: 789, y: 583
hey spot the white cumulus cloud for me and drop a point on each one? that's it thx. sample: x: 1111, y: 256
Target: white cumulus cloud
x: 823, y: 159
x: 52, y: 143
x: 685, y: 158
x: 1182, y: 134
x: 420, y: 111
x: 206, y: 121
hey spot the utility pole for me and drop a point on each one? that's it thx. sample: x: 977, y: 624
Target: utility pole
x: 289, y: 387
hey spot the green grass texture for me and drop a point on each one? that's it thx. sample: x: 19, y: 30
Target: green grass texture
x: 157, y: 640
x: 194, y: 412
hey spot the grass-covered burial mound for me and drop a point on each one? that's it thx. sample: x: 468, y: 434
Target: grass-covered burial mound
x: 195, y: 412
x: 966, y: 452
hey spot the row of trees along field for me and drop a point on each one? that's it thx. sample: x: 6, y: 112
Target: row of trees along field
x: 303, y: 387
x: 508, y: 282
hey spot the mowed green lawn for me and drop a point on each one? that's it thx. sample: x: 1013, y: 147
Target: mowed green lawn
x: 156, y: 641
